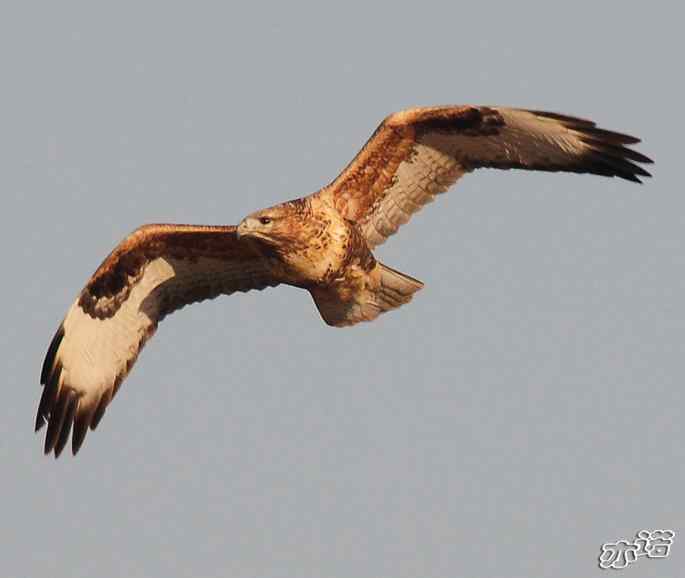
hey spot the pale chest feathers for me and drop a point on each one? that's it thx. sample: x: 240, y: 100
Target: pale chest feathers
x: 329, y: 250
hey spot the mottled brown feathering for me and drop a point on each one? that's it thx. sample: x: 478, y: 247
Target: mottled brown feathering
x: 419, y: 153
x: 111, y: 284
x: 321, y: 243
x: 199, y: 263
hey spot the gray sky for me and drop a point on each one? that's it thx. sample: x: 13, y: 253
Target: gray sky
x: 525, y: 408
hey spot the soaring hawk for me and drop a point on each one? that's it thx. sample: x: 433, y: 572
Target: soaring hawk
x: 321, y: 243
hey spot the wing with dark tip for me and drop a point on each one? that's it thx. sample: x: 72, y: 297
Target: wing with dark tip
x: 418, y: 153
x: 154, y: 271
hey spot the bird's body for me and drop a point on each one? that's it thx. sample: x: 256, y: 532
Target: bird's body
x: 321, y: 243
x: 312, y: 243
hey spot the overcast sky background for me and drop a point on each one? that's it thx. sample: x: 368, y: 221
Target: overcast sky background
x: 526, y: 407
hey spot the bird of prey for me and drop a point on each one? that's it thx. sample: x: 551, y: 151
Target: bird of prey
x: 321, y: 243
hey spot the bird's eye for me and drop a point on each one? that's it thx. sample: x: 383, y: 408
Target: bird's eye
x: 264, y: 220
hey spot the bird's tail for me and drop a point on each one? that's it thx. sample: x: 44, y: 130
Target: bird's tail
x: 395, y: 288
x: 385, y: 289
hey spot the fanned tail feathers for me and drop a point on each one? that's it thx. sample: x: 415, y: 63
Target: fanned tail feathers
x: 386, y: 289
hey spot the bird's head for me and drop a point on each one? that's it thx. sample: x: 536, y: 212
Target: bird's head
x: 273, y: 225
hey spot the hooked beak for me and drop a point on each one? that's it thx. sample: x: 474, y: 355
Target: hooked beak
x: 249, y: 227
x: 243, y: 228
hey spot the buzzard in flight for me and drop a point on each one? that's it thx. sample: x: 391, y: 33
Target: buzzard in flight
x: 321, y: 243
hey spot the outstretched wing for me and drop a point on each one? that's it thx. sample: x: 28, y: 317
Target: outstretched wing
x: 154, y: 271
x: 416, y: 154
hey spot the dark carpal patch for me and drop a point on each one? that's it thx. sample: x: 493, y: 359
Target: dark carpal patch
x: 474, y: 121
x: 115, y: 278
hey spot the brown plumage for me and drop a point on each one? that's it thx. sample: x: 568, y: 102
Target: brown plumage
x: 321, y: 243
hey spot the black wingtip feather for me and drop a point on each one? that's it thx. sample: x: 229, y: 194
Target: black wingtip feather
x: 72, y: 405
x: 609, y: 156
x: 49, y: 360
x: 614, y: 161
x: 618, y: 151
x: 619, y: 167
x: 609, y: 136
x: 49, y: 396
x: 56, y: 420
x: 49, y: 377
